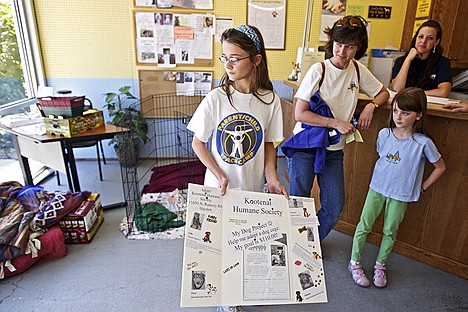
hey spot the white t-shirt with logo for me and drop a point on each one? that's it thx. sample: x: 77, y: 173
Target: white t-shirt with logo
x: 238, y: 135
x: 340, y: 90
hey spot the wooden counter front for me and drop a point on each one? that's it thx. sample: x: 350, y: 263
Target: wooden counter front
x: 435, y: 228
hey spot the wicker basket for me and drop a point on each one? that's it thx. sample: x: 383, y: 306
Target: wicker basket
x: 66, y: 106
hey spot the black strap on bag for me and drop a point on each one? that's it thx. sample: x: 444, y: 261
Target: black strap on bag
x: 323, y: 72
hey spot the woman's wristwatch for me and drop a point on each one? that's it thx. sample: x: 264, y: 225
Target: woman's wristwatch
x: 375, y: 104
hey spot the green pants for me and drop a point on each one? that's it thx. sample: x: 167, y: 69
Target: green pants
x: 393, y: 215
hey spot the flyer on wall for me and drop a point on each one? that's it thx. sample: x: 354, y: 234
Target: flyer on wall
x: 248, y: 248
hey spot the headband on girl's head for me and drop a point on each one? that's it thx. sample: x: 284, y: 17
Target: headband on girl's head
x: 249, y: 32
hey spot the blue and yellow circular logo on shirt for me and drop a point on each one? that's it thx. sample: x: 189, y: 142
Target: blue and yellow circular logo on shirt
x: 238, y: 138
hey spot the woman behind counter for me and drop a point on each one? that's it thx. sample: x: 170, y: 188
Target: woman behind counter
x: 423, y: 65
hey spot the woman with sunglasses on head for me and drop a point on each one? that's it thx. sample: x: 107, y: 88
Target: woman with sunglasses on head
x: 243, y: 118
x: 423, y: 65
x: 338, y: 80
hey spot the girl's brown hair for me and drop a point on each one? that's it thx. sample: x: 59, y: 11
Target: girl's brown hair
x: 261, y: 77
x: 413, y: 100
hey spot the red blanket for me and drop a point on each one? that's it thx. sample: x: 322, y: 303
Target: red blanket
x: 52, y: 247
x: 175, y: 176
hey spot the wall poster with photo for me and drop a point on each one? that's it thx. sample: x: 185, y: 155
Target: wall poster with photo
x: 269, y: 16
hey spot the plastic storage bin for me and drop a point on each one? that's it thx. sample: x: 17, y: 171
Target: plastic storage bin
x: 383, y: 52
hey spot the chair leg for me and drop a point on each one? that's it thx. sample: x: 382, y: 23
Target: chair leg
x: 58, y: 177
x: 99, y: 162
x: 102, y: 153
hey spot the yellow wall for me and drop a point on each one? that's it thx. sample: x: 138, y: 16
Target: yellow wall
x: 95, y: 39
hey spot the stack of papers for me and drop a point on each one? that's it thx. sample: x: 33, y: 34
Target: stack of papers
x: 18, y: 120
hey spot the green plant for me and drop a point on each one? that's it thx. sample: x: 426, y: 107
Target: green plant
x: 123, y: 108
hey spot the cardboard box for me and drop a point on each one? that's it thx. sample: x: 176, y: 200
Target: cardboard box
x: 92, y: 118
x: 80, y: 226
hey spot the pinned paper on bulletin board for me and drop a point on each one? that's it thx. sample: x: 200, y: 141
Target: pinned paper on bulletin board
x: 423, y: 8
x: 309, y: 58
x: 418, y: 23
x: 186, y: 87
x: 355, y: 10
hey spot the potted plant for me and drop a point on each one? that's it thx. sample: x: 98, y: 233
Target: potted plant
x: 124, y: 111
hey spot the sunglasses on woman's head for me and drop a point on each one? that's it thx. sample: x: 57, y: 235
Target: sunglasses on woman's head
x: 352, y: 21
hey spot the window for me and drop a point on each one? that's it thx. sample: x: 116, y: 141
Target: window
x: 20, y: 67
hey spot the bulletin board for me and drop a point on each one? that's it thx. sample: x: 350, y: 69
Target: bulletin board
x: 157, y: 93
x: 170, y: 39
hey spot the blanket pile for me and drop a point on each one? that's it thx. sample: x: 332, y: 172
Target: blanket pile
x: 22, y: 222
x: 160, y: 216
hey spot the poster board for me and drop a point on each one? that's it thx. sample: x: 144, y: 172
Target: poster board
x: 156, y: 82
x: 269, y: 16
x: 248, y: 248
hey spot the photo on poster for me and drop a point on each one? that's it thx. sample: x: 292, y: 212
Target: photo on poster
x: 208, y: 21
x: 310, y: 234
x: 184, y: 51
x: 158, y: 18
x: 147, y: 56
x: 167, y: 19
x: 197, y: 220
x: 203, y: 82
x: 146, y: 33
x: 295, y: 203
x: 166, y: 57
x: 180, y: 77
x: 182, y: 20
x: 305, y: 278
x: 163, y: 4
x: 169, y: 76
x: 198, y: 280
x: 332, y: 10
x: 278, y: 255
x: 333, y: 6
x: 188, y: 77
x: 203, y: 77
x: 184, y: 55
x: 145, y: 3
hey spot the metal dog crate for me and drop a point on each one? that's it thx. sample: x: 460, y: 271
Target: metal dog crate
x: 169, y: 142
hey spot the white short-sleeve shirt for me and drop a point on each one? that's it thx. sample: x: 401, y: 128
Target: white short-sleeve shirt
x: 238, y: 134
x: 340, y: 90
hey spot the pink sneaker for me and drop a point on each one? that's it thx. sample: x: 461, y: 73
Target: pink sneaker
x: 380, y: 277
x: 358, y: 274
